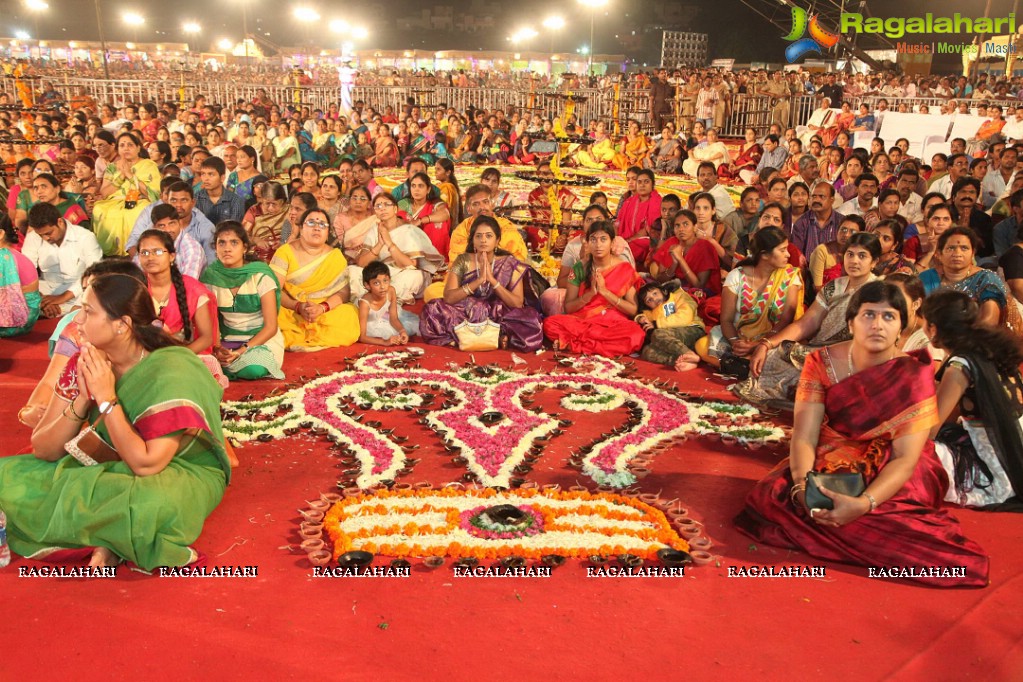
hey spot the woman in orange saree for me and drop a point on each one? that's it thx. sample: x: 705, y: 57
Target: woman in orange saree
x: 864, y: 407
x: 601, y: 302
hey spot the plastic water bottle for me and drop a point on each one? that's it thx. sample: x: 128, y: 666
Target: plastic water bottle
x: 5, y: 551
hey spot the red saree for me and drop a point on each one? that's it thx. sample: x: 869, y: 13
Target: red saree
x: 747, y: 160
x: 598, y: 328
x: 439, y: 233
x: 701, y: 257
x: 863, y: 415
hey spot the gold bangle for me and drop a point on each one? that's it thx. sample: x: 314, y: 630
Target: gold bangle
x: 76, y: 418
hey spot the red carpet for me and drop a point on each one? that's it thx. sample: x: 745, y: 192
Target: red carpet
x: 285, y: 624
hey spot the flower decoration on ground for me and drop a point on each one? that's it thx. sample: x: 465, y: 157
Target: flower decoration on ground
x: 453, y: 522
x: 484, y: 415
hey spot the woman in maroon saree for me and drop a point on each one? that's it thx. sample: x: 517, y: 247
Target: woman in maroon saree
x: 874, y: 421
x: 750, y: 153
x: 486, y: 283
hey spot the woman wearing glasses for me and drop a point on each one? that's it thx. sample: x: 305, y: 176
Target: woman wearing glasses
x: 315, y: 309
x: 182, y: 302
x: 404, y: 248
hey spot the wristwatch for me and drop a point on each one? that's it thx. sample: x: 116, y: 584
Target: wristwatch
x: 106, y: 407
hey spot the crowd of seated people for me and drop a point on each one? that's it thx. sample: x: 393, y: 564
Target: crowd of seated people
x: 287, y: 243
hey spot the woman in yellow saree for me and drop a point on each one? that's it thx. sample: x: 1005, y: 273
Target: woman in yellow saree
x: 315, y: 309
x: 635, y: 148
x: 129, y: 185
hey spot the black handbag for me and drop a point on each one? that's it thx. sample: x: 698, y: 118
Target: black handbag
x: 734, y: 366
x: 851, y: 484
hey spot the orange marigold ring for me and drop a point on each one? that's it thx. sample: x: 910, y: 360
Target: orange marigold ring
x: 424, y: 523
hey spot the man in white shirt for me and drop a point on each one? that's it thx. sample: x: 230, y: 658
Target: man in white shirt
x: 1012, y: 131
x: 62, y: 252
x: 999, y: 177
x: 958, y: 166
x: 865, y: 199
x: 707, y: 176
x: 910, y: 200
x: 809, y: 172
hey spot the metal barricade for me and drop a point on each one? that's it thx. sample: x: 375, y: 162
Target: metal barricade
x: 606, y: 105
x: 749, y: 111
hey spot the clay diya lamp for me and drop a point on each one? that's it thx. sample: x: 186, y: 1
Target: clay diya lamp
x: 701, y: 557
x: 597, y: 559
x: 400, y: 564
x: 640, y: 472
x: 422, y: 485
x: 433, y: 562
x: 355, y: 559
x: 319, y: 505
x: 312, y: 533
x: 330, y: 498
x: 314, y: 515
x: 513, y: 562
x: 352, y: 491
x: 630, y: 561
x: 491, y: 418
x: 578, y: 489
x: 689, y: 532
x: 306, y: 525
x: 312, y: 544
x: 674, y: 558
x: 700, y: 542
x: 320, y: 557
x: 402, y: 486
x: 648, y: 498
x: 467, y: 562
x: 552, y: 560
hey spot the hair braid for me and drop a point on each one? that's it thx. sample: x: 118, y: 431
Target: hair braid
x: 182, y: 297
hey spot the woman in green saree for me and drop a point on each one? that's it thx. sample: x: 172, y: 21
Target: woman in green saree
x: 139, y: 482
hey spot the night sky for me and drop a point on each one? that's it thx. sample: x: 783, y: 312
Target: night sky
x: 743, y: 35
